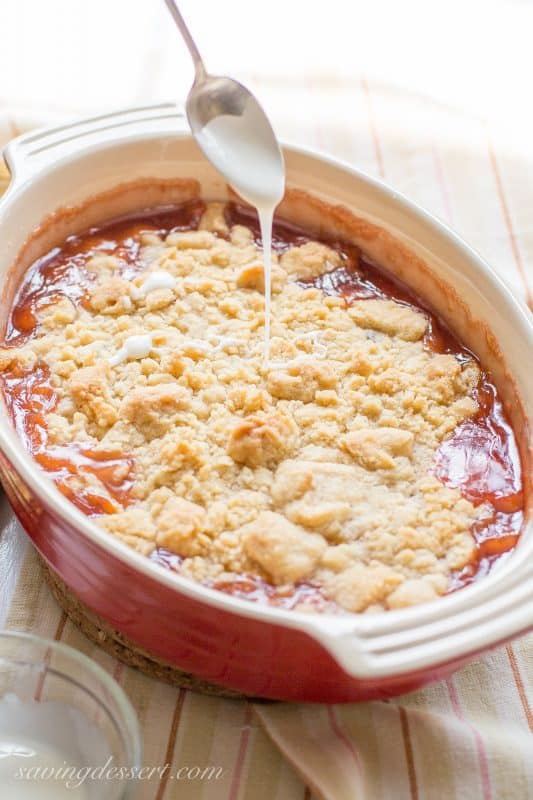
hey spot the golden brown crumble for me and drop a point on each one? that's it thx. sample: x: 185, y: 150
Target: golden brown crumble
x: 316, y: 468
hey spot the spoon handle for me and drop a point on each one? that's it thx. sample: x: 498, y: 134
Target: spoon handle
x: 199, y: 66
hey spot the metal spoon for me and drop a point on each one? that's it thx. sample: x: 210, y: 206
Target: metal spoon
x: 232, y: 130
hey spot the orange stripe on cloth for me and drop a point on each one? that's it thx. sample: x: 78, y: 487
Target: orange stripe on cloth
x: 241, y: 755
x: 60, y: 627
x: 118, y: 670
x: 480, y: 747
x: 373, y: 128
x: 344, y: 739
x: 409, y: 757
x: 13, y: 127
x: 439, y: 171
x: 171, y: 742
x: 509, y: 225
x: 57, y: 638
x: 520, y: 685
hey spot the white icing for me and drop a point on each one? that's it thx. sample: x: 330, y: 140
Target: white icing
x: 290, y: 362
x: 158, y: 279
x: 266, y: 218
x: 242, y: 147
x: 141, y: 345
x: 319, y: 351
x: 217, y: 344
x: 138, y: 346
x: 47, y: 735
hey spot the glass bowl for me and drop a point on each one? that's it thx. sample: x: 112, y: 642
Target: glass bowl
x: 67, y: 729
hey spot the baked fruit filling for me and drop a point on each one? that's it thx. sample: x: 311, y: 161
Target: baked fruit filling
x: 368, y: 465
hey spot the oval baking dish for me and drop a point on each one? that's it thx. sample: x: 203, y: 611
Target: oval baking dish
x: 67, y: 179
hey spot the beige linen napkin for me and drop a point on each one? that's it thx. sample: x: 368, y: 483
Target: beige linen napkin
x: 469, y: 737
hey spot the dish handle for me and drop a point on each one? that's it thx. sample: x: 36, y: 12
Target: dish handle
x: 32, y: 152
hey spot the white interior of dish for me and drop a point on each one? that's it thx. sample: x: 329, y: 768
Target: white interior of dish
x: 62, y: 169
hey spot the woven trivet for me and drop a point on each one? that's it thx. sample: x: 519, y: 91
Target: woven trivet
x: 104, y: 636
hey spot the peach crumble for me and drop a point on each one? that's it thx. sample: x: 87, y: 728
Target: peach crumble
x: 322, y: 469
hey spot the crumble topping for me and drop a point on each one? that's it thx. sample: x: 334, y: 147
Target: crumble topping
x: 316, y: 467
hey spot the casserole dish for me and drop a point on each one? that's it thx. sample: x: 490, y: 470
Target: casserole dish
x: 69, y: 178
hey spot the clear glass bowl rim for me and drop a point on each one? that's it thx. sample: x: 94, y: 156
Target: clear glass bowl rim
x: 125, y: 708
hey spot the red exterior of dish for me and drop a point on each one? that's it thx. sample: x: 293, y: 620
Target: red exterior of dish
x: 245, y: 654
x: 241, y: 653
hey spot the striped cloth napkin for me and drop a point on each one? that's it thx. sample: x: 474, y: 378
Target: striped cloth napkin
x: 466, y: 738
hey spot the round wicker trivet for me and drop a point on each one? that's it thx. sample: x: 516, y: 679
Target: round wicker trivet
x: 113, y: 642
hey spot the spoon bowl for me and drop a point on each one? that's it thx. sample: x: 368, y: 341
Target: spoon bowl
x: 233, y: 131
x: 214, y: 96
x: 235, y: 134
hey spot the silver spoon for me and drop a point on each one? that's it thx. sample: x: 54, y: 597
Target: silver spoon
x: 232, y: 130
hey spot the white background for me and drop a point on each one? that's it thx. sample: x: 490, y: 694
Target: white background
x: 85, y: 55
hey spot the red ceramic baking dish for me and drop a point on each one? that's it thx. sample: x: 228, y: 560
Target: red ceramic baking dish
x: 68, y: 178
